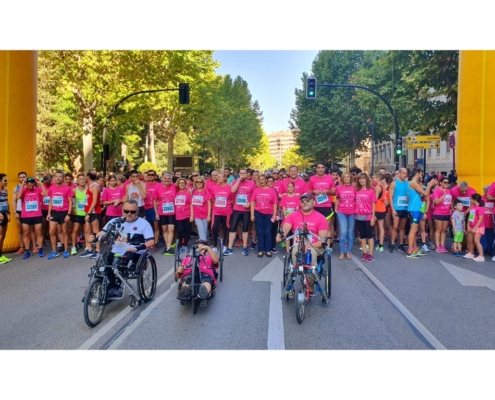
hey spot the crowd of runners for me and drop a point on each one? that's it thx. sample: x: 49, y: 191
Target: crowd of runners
x: 412, y: 212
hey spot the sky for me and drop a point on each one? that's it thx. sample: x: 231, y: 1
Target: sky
x: 272, y: 76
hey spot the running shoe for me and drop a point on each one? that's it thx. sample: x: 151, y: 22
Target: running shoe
x: 52, y: 255
x: 379, y: 248
x: 254, y: 245
x: 27, y: 254
x: 227, y: 252
x: 203, y: 292
x: 40, y: 253
x: 364, y: 257
x: 5, y: 259
x: 86, y: 253
x: 35, y: 250
x: 425, y: 248
x: 457, y: 254
x: 392, y: 248
x: 173, y: 246
x: 369, y: 258
x: 245, y: 251
x: 73, y: 251
x: 442, y: 249
x: 282, y: 244
x: 20, y: 251
x: 168, y: 252
x: 95, y: 255
x: 402, y: 248
x: 155, y: 248
x: 367, y: 247
x: 468, y: 255
x: 215, y: 249
x: 479, y: 259
x: 238, y: 243
x: 419, y: 252
x: 274, y: 251
x: 412, y: 255
x: 66, y: 254
x: 493, y: 258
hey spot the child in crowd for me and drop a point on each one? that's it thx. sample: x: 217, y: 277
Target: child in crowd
x: 476, y: 228
x: 458, y: 227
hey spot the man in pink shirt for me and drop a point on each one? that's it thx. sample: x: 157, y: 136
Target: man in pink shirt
x: 300, y: 186
x: 463, y: 192
x: 212, y: 182
x: 152, y: 188
x: 277, y: 181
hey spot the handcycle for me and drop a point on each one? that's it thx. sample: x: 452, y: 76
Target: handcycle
x: 97, y: 294
x: 295, y: 285
x: 195, y: 275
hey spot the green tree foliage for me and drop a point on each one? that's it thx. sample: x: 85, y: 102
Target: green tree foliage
x: 292, y: 157
x: 262, y: 159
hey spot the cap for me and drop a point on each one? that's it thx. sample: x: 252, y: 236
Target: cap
x: 308, y: 196
x: 31, y: 180
x: 47, y: 177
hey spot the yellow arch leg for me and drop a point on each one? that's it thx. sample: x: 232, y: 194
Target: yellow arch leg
x: 475, y: 148
x: 18, y: 88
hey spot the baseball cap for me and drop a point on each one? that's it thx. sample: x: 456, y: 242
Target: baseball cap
x: 308, y: 196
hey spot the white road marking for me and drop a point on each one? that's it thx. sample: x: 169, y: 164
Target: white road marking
x: 411, y: 318
x: 469, y: 278
x: 115, y: 320
x: 273, y: 273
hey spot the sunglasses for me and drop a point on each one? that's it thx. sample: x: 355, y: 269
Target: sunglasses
x: 200, y: 181
x: 275, y: 173
x: 132, y: 212
x: 305, y: 200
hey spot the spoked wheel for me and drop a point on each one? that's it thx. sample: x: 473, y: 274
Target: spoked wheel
x: 176, y: 257
x: 220, y: 261
x: 146, y: 280
x: 300, y: 297
x: 286, y: 277
x: 93, y: 303
x: 328, y: 273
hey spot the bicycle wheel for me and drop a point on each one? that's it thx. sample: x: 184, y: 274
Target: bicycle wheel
x: 194, y: 284
x: 300, y: 297
x: 286, y: 278
x: 328, y: 273
x: 93, y: 302
x: 146, y: 280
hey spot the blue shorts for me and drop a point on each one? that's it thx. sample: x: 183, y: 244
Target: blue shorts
x: 415, y: 217
x: 150, y: 215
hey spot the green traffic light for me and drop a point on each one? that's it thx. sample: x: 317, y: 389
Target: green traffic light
x: 398, y: 152
x: 311, y: 93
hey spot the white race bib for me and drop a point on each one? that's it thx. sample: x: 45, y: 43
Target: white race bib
x: 321, y: 198
x: 80, y: 205
x: 489, y: 208
x: 472, y: 213
x: 180, y: 200
x: 402, y: 201
x: 31, y: 206
x: 197, y: 200
x: 57, y: 201
x: 447, y: 199
x: 221, y: 202
x: 466, y: 201
x: 46, y: 200
x: 289, y: 210
x: 168, y: 207
x: 241, y: 199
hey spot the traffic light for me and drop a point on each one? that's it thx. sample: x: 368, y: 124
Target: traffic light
x: 183, y: 93
x: 311, y: 88
x: 398, y: 148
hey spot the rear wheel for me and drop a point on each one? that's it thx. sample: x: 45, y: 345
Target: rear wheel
x: 94, y: 302
x: 286, y: 278
x: 146, y: 280
x: 328, y: 273
x: 300, y: 297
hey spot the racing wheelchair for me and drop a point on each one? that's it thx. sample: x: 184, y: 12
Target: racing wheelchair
x: 195, y: 276
x: 295, y: 285
x: 97, y: 294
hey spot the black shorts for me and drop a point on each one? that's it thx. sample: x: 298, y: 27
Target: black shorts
x: 239, y: 216
x: 380, y: 215
x: 141, y: 212
x: 365, y: 229
x: 59, y: 217
x: 78, y: 219
x: 94, y: 217
x: 5, y: 220
x: 325, y: 211
x: 204, y: 278
x: 443, y: 218
x: 44, y: 213
x: 32, y: 220
x: 402, y: 214
x: 167, y: 219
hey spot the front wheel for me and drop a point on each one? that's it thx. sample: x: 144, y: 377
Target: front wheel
x: 146, y: 280
x: 300, y: 298
x: 94, y: 303
x: 286, y: 277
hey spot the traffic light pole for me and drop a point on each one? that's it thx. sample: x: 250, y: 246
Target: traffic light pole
x: 396, y: 124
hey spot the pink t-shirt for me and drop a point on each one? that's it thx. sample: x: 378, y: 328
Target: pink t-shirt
x: 46, y: 199
x: 364, y: 202
x: 277, y: 185
x: 182, y: 204
x: 315, y: 221
x: 152, y: 190
x: 31, y: 202
x: 429, y: 214
x: 488, y: 218
x: 166, y: 199
x: 465, y: 198
x: 347, y: 199
x: 200, y: 203
x: 444, y: 207
x: 243, y: 194
x: 60, y: 197
x: 491, y: 189
x: 475, y: 214
x: 222, y: 197
x: 112, y: 195
x: 264, y: 200
x: 205, y: 266
x: 210, y: 185
x: 300, y: 186
x: 321, y: 184
x: 290, y: 203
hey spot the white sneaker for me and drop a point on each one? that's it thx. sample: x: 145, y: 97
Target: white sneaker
x: 215, y: 249
x: 425, y: 248
x: 493, y: 258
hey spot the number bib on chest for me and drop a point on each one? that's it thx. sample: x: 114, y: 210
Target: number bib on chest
x: 31, y: 206
x: 402, y: 201
x: 57, y: 201
x: 197, y: 200
x: 180, y: 201
x: 466, y: 201
x: 321, y: 198
x: 241, y: 199
x: 447, y: 199
x: 168, y: 207
x: 221, y: 202
x: 489, y: 208
x: 472, y: 213
x: 80, y: 205
x: 46, y: 200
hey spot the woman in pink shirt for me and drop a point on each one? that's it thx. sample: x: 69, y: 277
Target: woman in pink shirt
x: 32, y: 199
x: 442, y: 206
x: 345, y: 207
x: 365, y: 214
x: 487, y: 238
x: 113, y: 198
x: 475, y: 228
x: 222, y: 198
x: 183, y: 213
x: 201, y: 207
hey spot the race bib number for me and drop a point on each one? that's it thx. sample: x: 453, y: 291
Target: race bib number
x: 447, y: 199
x: 472, y: 213
x: 180, y: 201
x: 241, y: 199
x: 168, y: 207
x: 197, y: 200
x: 46, y: 200
x: 402, y: 201
x: 80, y: 205
x: 489, y: 208
x: 58, y: 201
x: 321, y: 198
x: 289, y: 210
x: 221, y: 202
x: 31, y: 206
x: 466, y: 201
x: 4, y: 206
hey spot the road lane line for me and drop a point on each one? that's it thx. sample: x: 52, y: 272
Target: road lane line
x: 115, y: 320
x: 410, y: 317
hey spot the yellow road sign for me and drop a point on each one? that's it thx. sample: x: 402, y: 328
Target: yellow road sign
x: 423, y: 145
x: 424, y: 138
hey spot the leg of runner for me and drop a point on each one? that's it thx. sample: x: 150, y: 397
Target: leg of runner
x: 26, y: 233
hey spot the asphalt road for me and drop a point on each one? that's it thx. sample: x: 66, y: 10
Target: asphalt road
x: 393, y: 303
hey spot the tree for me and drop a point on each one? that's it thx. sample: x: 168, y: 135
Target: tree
x: 292, y: 157
x: 262, y: 159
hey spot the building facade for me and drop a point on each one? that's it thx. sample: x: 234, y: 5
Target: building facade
x: 279, y: 143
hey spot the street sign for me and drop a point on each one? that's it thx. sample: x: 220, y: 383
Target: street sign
x: 425, y: 138
x: 423, y: 145
x: 452, y: 141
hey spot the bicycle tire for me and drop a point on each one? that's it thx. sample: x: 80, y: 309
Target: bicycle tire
x: 328, y: 271
x: 147, y: 277
x: 300, y: 297
x: 94, y: 305
x: 286, y: 278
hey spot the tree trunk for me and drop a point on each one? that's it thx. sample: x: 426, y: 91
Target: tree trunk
x: 88, y: 114
x: 151, y: 134
x: 170, y: 153
x: 88, y: 149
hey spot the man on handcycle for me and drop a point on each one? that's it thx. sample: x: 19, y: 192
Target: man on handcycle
x: 315, y: 223
x: 207, y: 262
x: 135, y: 236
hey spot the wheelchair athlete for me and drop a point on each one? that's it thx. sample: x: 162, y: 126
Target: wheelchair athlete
x: 207, y: 261
x: 135, y: 236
